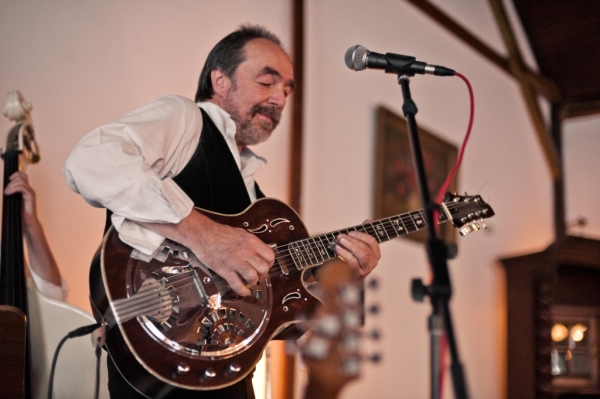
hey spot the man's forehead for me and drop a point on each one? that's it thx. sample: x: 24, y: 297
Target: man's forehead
x: 266, y: 57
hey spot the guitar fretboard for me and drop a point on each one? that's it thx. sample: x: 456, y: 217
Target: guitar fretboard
x: 316, y: 250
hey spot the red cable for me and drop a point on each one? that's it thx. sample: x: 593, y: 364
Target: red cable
x: 454, y: 170
x: 438, y: 199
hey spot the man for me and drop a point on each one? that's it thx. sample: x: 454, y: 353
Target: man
x: 153, y: 165
x: 42, y: 265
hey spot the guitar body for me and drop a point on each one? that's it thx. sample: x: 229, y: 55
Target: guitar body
x: 205, y: 336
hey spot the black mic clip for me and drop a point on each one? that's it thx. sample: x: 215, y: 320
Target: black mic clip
x: 404, y: 65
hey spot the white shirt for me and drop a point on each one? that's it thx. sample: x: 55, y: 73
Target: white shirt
x: 48, y: 289
x: 127, y: 165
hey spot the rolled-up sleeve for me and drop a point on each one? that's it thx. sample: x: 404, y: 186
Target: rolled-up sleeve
x: 48, y: 289
x: 127, y: 166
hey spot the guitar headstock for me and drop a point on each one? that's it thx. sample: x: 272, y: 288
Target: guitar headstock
x: 332, y: 347
x: 21, y: 136
x: 466, y: 212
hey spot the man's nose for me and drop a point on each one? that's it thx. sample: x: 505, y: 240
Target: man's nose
x: 278, y: 97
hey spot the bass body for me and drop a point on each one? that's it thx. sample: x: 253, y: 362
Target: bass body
x: 173, y: 324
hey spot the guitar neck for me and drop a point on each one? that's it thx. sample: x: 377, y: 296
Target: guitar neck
x: 12, y: 273
x: 316, y: 250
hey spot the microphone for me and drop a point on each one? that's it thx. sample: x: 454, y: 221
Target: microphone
x: 359, y: 58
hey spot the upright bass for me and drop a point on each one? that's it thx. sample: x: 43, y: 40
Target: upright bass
x: 14, y: 360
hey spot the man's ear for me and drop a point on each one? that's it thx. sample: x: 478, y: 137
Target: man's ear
x: 220, y: 82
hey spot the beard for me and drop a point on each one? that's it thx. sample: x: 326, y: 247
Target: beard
x: 250, y: 130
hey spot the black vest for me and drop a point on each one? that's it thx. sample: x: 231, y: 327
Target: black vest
x: 213, y: 181
x: 211, y: 178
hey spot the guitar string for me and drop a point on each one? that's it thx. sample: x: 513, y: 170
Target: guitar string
x: 370, y: 228
x: 281, y: 259
x: 367, y: 227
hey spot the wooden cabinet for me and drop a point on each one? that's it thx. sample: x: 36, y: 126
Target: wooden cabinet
x: 558, y: 287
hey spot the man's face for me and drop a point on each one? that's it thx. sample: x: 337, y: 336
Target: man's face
x: 259, y: 90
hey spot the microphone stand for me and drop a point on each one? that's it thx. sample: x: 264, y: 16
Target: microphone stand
x: 439, y: 291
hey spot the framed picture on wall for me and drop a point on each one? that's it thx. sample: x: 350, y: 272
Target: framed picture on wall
x: 396, y: 186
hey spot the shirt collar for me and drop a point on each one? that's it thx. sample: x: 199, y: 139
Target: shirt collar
x: 248, y: 162
x: 221, y: 119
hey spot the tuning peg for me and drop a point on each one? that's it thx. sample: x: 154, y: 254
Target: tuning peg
x: 374, y: 334
x: 351, y: 366
x: 466, y: 229
x: 350, y: 295
x: 351, y: 319
x: 373, y: 309
x: 351, y: 342
x: 373, y: 284
x: 316, y: 348
x: 374, y: 357
x: 329, y: 325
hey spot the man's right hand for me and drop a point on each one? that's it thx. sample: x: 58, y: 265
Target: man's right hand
x: 234, y: 254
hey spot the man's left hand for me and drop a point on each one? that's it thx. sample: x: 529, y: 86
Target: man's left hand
x: 359, y: 250
x: 19, y: 183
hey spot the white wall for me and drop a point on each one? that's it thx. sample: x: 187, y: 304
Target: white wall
x: 85, y: 63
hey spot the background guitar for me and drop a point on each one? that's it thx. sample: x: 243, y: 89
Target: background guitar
x: 332, y: 346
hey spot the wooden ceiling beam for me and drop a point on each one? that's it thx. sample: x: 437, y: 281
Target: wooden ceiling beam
x: 573, y: 110
x: 539, y: 82
x: 516, y: 65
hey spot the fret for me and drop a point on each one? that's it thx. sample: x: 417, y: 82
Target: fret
x: 297, y: 256
x: 417, y: 220
x: 398, y: 226
x: 331, y: 244
x: 380, y: 232
x: 411, y: 226
x: 363, y: 229
x: 421, y: 221
x: 315, y: 246
x: 403, y: 229
x: 323, y: 249
x: 391, y: 229
x: 308, y: 250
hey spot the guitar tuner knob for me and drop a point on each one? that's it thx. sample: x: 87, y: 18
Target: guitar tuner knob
x: 182, y: 368
x: 374, y: 309
x: 351, y: 367
x: 373, y: 284
x: 374, y: 357
x: 374, y: 334
x: 466, y: 229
